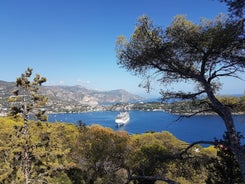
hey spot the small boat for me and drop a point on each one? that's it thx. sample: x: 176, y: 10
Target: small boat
x: 122, y: 118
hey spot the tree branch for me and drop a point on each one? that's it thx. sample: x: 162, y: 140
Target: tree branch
x: 228, y: 70
x: 192, y: 114
x: 181, y: 95
x: 195, y: 143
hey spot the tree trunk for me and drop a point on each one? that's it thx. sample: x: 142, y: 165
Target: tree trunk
x: 234, y: 141
x: 26, y: 160
x: 26, y: 165
x: 233, y: 137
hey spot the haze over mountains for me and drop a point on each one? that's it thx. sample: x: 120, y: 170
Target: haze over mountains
x: 65, y: 98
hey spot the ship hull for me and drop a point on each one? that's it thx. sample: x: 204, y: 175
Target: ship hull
x: 122, y: 119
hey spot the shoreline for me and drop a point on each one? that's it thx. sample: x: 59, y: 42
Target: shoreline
x: 4, y: 113
x: 148, y: 110
x: 204, y: 114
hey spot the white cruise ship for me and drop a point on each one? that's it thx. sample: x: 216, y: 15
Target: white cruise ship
x: 122, y: 118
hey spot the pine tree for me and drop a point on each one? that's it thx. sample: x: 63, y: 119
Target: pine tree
x: 27, y: 102
x: 188, y: 53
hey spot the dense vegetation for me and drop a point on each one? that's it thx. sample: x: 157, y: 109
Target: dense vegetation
x: 67, y: 153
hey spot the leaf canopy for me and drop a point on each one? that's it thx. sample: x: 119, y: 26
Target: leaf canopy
x: 185, y: 51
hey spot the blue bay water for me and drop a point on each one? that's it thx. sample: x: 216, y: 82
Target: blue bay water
x: 202, y: 127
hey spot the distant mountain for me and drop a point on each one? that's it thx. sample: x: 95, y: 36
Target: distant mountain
x: 81, y: 95
x: 71, y: 98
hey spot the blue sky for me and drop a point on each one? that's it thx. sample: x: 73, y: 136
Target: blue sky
x: 72, y: 42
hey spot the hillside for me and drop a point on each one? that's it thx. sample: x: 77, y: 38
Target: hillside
x: 70, y: 154
x: 71, y: 98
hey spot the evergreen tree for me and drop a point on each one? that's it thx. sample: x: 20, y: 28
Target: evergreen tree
x: 187, y: 52
x: 26, y: 102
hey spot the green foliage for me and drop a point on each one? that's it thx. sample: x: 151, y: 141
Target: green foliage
x: 48, y: 152
x: 62, y: 152
x: 224, y: 169
x: 25, y: 99
x: 155, y: 154
x: 184, y: 51
x: 104, y: 152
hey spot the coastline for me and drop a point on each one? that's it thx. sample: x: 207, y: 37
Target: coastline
x: 203, y: 113
x: 148, y: 107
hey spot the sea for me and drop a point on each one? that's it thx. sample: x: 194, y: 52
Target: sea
x: 196, y: 128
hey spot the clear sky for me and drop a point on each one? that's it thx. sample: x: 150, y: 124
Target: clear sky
x: 72, y: 42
